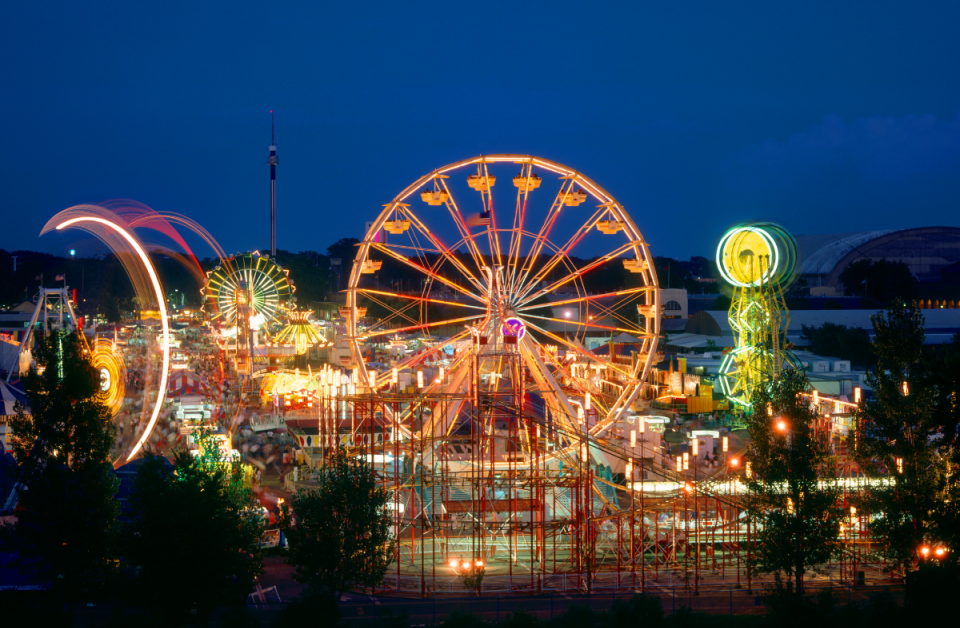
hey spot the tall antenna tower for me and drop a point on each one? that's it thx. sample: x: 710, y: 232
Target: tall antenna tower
x: 273, y: 160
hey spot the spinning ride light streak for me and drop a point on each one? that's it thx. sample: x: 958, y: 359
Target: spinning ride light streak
x: 756, y: 260
x: 158, y: 293
x: 486, y: 281
x: 107, y: 360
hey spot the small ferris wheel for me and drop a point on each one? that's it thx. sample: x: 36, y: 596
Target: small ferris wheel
x: 249, y: 280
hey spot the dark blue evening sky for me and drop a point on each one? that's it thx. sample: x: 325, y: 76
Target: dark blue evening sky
x: 822, y: 116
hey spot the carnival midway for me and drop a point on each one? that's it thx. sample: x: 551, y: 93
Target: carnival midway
x: 527, y: 426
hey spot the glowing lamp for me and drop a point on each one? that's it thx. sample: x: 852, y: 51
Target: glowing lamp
x: 726, y: 444
x: 939, y: 551
x: 856, y: 395
x: 479, y: 563
x: 924, y: 550
x: 587, y: 401
x: 679, y: 464
x: 373, y: 379
x: 633, y: 438
x: 696, y: 447
x: 466, y: 564
x: 453, y: 563
x: 394, y: 377
x: 781, y: 425
x: 906, y: 389
x: 734, y: 462
x: 642, y: 424
x: 686, y: 462
x: 419, y: 379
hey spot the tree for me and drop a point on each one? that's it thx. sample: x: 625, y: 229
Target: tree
x: 344, y: 249
x: 798, y: 517
x: 66, y: 529
x: 846, y: 343
x: 201, y: 507
x: 901, y: 438
x: 339, y: 533
x: 883, y: 281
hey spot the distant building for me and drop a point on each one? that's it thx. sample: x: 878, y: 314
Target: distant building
x: 14, y: 322
x: 925, y: 250
x: 939, y: 325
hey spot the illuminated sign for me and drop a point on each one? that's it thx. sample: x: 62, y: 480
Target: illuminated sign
x: 514, y: 327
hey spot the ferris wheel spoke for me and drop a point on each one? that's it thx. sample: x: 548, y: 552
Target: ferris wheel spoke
x: 487, y: 202
x: 591, y: 297
x: 398, y: 295
x: 585, y: 324
x: 426, y: 271
x: 451, y: 321
x: 444, y: 251
x: 579, y: 350
x: 413, y: 360
x: 462, y: 226
x: 542, y: 236
x: 575, y: 274
x: 613, y: 311
x: 562, y: 253
x: 395, y: 312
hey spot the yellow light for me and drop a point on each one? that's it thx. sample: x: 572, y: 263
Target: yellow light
x: 466, y: 564
x: 726, y: 444
x: 853, y: 511
x: 939, y: 551
x: 583, y: 453
x: 856, y: 395
x: 419, y: 379
x: 161, y: 303
x: 906, y: 389
x: 734, y: 462
x: 587, y: 402
x: 642, y: 424
x: 633, y: 438
x: 453, y: 563
x: 679, y: 464
x: 479, y: 563
x: 749, y: 470
x: 696, y: 447
x: 924, y: 550
x: 686, y: 462
x: 395, y: 377
x: 373, y: 379
x: 441, y: 374
x: 816, y: 396
x: 782, y: 425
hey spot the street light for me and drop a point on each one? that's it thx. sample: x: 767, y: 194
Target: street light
x: 781, y: 425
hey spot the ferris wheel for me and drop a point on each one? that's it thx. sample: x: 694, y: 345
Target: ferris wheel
x: 249, y: 279
x: 511, y: 291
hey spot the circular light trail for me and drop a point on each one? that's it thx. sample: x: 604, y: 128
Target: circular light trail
x: 161, y: 304
x: 739, y: 255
